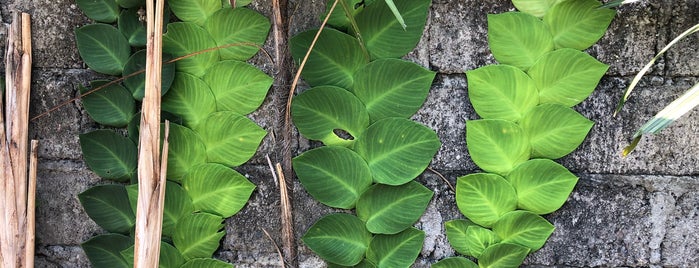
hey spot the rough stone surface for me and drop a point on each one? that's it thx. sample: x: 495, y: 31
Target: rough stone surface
x: 637, y: 211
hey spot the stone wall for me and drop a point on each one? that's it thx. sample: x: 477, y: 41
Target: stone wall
x: 642, y: 210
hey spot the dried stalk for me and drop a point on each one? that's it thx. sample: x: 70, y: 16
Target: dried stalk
x: 31, y: 204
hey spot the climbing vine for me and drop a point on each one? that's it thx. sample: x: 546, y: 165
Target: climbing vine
x: 206, y: 94
x: 526, y: 121
x: 359, y: 104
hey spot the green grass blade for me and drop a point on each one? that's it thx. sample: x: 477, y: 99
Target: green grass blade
x: 396, y: 13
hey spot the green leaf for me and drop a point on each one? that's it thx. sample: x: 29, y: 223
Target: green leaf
x: 99, y: 10
x: 392, y: 87
x: 103, y: 48
x: 396, y: 13
x: 137, y: 83
x: 196, y: 11
x: 109, y: 155
x: 578, y: 24
x: 105, y: 250
x: 384, y: 36
x: 523, y: 228
x: 190, y: 98
x: 398, y: 250
x: 338, y: 238
x: 238, y: 3
x: 131, y: 3
x: 503, y: 255
x: 244, y: 27
x: 320, y: 111
x: 496, y: 145
x: 333, y: 175
x: 238, y: 87
x: 392, y: 209
x: 334, y: 59
x: 206, y: 263
x: 566, y: 76
x: 484, y: 197
x: 198, y: 235
x: 455, y: 262
x: 518, y: 39
x: 501, y: 92
x: 111, y: 106
x: 230, y: 139
x: 177, y: 205
x: 185, y: 38
x: 338, y: 19
x: 535, y: 7
x: 397, y: 149
x: 108, y: 205
x: 217, y: 189
x: 542, y: 185
x: 555, y: 130
x: 186, y: 150
x: 469, y: 238
x: 363, y: 264
x: 169, y: 256
x: 132, y: 27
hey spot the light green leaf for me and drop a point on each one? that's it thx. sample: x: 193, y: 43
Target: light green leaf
x: 132, y: 27
x: 169, y: 256
x: 196, y: 11
x: 206, y: 263
x: 244, y: 27
x: 109, y: 155
x: 320, y: 111
x: 484, y: 197
x: 186, y: 150
x: 523, y: 228
x: 384, y: 36
x: 189, y: 98
x: 237, y: 86
x: 108, y: 205
x: 392, y: 87
x: 469, y: 238
x: 238, y: 3
x: 111, y: 106
x: 230, y: 139
x: 103, y: 48
x: 578, y: 24
x: 105, y: 11
x: 501, y: 92
x: 395, y: 251
x: 397, y: 149
x: 184, y: 38
x: 177, y: 205
x: 392, y: 209
x: 105, y: 250
x: 333, y: 175
x: 137, y: 83
x: 130, y: 3
x: 566, y: 76
x: 555, y: 130
x: 338, y: 238
x: 455, y: 262
x: 496, y: 145
x: 334, y: 59
x: 535, y: 7
x: 542, y: 185
x: 197, y: 235
x: 503, y: 255
x: 518, y: 39
x: 217, y: 189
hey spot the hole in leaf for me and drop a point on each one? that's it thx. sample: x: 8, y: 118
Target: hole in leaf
x: 343, y: 134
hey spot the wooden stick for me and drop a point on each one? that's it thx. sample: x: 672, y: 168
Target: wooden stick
x: 31, y: 205
x: 287, y: 219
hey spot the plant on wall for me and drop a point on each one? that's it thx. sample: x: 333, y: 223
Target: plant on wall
x: 358, y: 106
x: 526, y: 122
x: 207, y: 94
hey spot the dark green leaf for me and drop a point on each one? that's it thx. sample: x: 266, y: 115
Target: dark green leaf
x: 501, y: 92
x: 184, y: 38
x: 484, y: 197
x: 131, y: 3
x: 108, y: 205
x: 99, y: 10
x: 196, y: 11
x: 230, y: 139
x: 137, y: 83
x: 384, y: 36
x: 241, y: 26
x: 496, y: 145
x: 398, y: 250
x: 109, y: 154
x: 198, y: 235
x: 578, y: 24
x: 392, y: 209
x: 217, y: 189
x: 503, y: 255
x: 186, y: 150
x: 338, y: 238
x: 111, y: 106
x: 518, y: 39
x: 455, y: 262
x: 542, y: 185
x: 237, y: 86
x: 105, y: 250
x: 103, y: 48
x: 190, y: 98
x: 523, y: 228
x: 132, y: 27
x: 169, y: 256
x: 338, y: 19
x: 555, y: 130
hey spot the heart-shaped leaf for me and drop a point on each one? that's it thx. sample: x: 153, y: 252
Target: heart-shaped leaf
x: 169, y: 256
x: 131, y: 3
x: 230, y: 139
x: 333, y: 175
x: 136, y: 83
x: 501, y: 92
x: 197, y: 235
x: 177, y: 205
x: 384, y: 35
x: 103, y: 48
x: 503, y: 255
x: 542, y: 185
x: 523, y: 228
x: 469, y: 238
x: 105, y: 11
x: 132, y: 27
x: 555, y: 130
x: 518, y: 39
x: 184, y: 38
x: 217, y: 189
x: 397, y: 149
x: 338, y: 238
x: 196, y: 11
x: 111, y: 106
x: 189, y: 98
x: 566, y: 76
x: 206, y: 263
x: 186, y: 149
x: 455, y: 262
x: 320, y: 111
x: 578, y: 24
x: 392, y: 87
x: 238, y: 87
x: 484, y: 197
x: 392, y: 209
x: 105, y: 250
x: 397, y: 250
x: 109, y: 155
x: 334, y: 59
x: 535, y: 7
x: 108, y: 205
x: 496, y: 145
x: 244, y: 30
